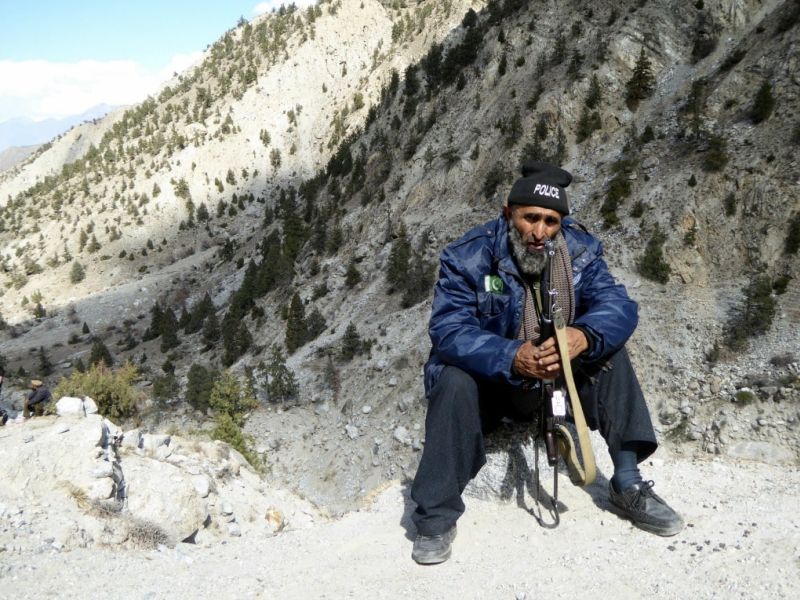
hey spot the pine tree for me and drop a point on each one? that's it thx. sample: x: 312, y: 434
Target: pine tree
x: 418, y: 284
x: 164, y: 388
x: 228, y: 396
x: 244, y: 298
x: 595, y: 93
x: 560, y: 153
x: 336, y: 239
x: 77, y: 273
x: 296, y: 328
x: 501, y: 68
x: 351, y: 343
x: 211, y: 329
x: 169, y: 331
x: 94, y: 245
x: 717, y: 156
x: 100, y: 353
x: 45, y: 366
x: 792, y: 243
x: 184, y: 319
x: 156, y: 323
x: 198, y: 387
x: 652, y: 264
x: 275, y: 267
x: 587, y: 125
x: 202, y: 213
x: 754, y: 316
x: 332, y: 379
x: 198, y: 314
x: 282, y: 384
x: 315, y: 325
x: 764, y: 103
x: 244, y: 339
x: 642, y: 83
x: 398, y: 268
x: 275, y: 158
x: 236, y: 338
x: 695, y: 105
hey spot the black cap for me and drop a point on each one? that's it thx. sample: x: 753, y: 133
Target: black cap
x: 541, y: 184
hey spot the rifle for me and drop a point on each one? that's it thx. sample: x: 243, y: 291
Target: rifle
x: 554, y: 396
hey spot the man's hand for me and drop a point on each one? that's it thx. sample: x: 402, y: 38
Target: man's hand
x: 543, y: 361
x: 577, y: 342
x: 538, y: 362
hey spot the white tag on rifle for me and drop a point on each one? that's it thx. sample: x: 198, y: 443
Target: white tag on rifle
x: 559, y: 404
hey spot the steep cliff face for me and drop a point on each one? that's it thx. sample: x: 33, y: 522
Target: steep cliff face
x: 365, y: 117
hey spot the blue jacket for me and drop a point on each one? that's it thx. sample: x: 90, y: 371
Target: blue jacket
x: 476, y: 330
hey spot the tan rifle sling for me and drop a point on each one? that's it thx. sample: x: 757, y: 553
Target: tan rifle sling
x: 580, y: 475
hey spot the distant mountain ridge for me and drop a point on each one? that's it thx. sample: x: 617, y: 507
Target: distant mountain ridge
x: 22, y: 131
x: 15, y: 155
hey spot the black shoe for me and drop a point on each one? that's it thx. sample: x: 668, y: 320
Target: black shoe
x: 433, y: 549
x: 646, y: 509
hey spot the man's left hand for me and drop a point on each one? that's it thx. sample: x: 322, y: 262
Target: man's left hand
x: 577, y: 342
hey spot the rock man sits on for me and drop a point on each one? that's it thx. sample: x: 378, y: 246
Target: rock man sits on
x: 485, y: 352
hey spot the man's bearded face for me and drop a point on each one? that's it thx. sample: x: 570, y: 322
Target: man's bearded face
x: 528, y: 228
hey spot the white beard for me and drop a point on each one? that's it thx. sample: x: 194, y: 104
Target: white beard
x: 529, y: 263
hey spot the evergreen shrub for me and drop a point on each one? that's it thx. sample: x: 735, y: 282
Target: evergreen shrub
x: 652, y: 264
x: 113, y: 391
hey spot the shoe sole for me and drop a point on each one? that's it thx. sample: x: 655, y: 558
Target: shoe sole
x: 432, y: 560
x: 435, y: 559
x: 648, y: 527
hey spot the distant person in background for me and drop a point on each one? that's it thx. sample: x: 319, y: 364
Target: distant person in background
x: 3, y: 413
x: 36, y: 400
x: 487, y: 361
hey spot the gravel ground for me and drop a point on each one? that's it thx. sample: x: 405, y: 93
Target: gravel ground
x: 741, y: 540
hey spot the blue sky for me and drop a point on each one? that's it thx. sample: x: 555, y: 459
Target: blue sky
x: 59, y: 58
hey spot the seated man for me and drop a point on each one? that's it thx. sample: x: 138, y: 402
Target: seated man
x: 3, y: 413
x: 484, y: 326
x: 36, y: 400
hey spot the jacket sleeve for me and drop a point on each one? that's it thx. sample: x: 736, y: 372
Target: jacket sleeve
x: 36, y: 396
x: 455, y: 328
x: 605, y: 311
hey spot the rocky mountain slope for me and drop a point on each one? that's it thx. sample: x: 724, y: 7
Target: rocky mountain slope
x: 307, y: 146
